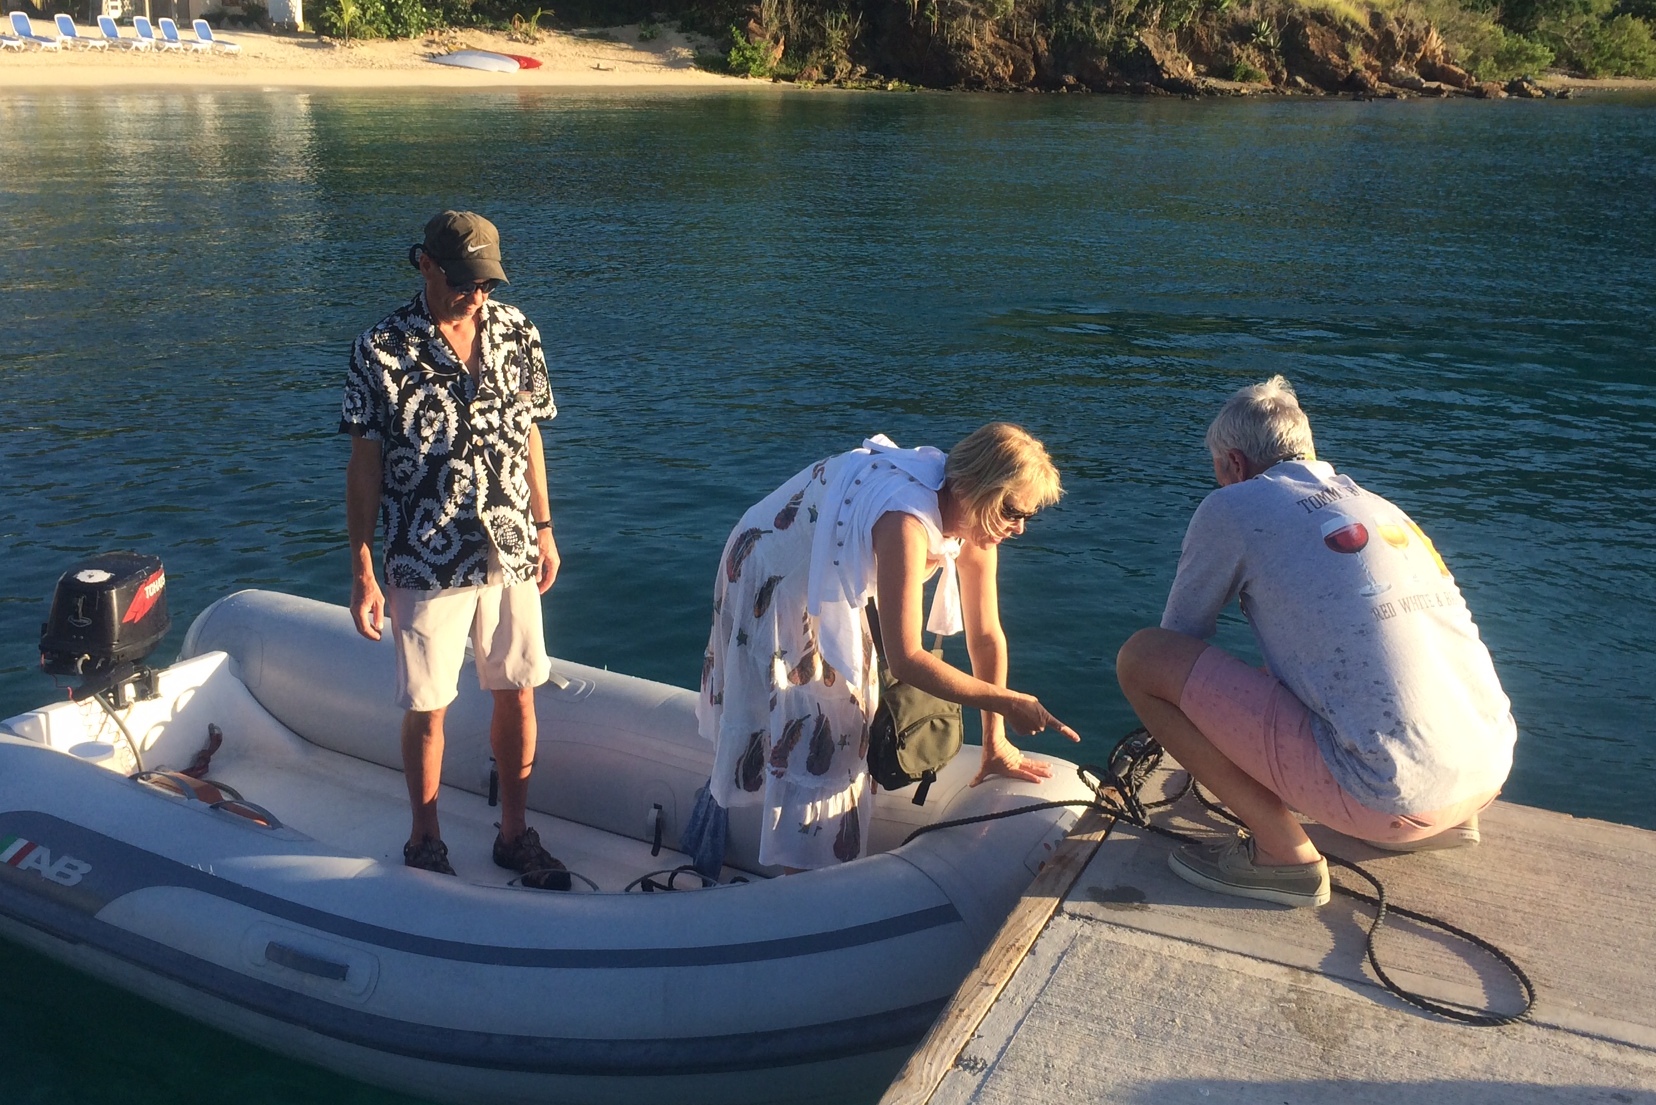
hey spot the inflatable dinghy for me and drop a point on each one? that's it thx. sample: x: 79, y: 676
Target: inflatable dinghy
x: 267, y: 897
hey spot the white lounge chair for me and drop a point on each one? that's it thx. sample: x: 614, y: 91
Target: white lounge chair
x: 7, y: 42
x: 169, y: 32
x: 67, y: 32
x: 204, y: 32
x: 24, y: 30
x: 112, y: 33
x: 146, y: 33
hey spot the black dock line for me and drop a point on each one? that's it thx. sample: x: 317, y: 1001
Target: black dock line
x: 1116, y: 794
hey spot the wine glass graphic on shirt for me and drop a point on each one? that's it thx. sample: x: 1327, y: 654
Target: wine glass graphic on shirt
x: 1347, y: 535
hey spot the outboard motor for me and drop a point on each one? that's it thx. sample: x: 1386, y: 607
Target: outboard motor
x: 108, y: 614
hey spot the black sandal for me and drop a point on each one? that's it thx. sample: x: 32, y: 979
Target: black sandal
x: 430, y: 854
x: 538, y: 868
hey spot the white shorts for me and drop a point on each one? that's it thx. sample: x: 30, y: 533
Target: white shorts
x: 431, y: 628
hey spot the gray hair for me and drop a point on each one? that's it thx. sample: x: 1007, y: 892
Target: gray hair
x: 1265, y: 422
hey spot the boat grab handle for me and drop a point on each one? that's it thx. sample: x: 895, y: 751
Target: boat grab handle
x: 284, y: 956
x: 216, y: 796
x: 252, y: 811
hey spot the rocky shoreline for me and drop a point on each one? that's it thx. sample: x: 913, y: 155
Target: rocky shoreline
x: 1288, y: 51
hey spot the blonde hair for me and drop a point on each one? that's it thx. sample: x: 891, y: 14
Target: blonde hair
x: 995, y: 462
x: 1266, y: 423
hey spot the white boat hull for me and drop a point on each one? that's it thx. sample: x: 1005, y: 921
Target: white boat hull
x: 311, y: 939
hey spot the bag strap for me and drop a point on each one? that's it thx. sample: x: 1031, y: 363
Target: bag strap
x: 879, y: 643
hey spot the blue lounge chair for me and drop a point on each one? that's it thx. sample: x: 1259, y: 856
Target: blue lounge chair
x: 7, y: 42
x: 169, y: 33
x: 112, y: 33
x: 204, y: 32
x: 146, y: 33
x: 68, y: 33
x: 24, y: 30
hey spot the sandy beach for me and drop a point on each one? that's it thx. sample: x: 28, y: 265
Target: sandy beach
x: 612, y: 58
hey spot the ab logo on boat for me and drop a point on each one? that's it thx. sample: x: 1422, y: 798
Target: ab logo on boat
x: 26, y: 855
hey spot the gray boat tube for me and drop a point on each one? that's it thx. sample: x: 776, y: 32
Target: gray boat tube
x: 810, y: 988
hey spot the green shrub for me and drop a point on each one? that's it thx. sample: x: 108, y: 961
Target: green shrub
x: 1624, y: 47
x: 826, y: 45
x: 1243, y: 70
x: 525, y: 27
x: 1085, y: 24
x: 460, y: 13
x: 1602, y: 38
x: 1525, y: 16
x: 1600, y: 43
x: 1481, y: 46
x: 407, y: 19
x: 1265, y: 34
x: 746, y: 59
x: 1513, y: 55
x: 1175, y: 14
x: 350, y: 19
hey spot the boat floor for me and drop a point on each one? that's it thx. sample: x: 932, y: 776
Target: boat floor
x: 360, y: 808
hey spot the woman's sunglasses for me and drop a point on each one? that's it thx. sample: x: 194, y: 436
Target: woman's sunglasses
x: 1013, y: 517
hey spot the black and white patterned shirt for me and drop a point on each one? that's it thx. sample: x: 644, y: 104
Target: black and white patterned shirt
x: 455, y: 455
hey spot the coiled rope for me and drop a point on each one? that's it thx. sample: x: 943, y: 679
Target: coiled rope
x: 1116, y: 793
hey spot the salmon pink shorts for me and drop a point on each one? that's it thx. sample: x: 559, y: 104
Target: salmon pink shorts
x: 1261, y: 727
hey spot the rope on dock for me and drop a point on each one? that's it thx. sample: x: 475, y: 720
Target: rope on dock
x: 1116, y: 793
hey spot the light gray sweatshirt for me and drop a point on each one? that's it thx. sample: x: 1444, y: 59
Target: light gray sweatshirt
x: 1358, y: 616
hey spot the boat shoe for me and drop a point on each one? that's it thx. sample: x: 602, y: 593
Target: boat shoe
x: 539, y: 869
x: 1463, y: 835
x: 430, y: 854
x: 1229, y: 868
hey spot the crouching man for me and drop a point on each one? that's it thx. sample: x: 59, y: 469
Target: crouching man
x: 1380, y: 714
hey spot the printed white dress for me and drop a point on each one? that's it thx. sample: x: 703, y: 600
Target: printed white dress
x: 789, y: 678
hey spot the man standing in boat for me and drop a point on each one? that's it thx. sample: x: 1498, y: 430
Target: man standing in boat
x: 1379, y: 713
x: 442, y: 402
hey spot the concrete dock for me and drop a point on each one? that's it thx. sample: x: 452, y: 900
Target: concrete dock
x: 1116, y: 982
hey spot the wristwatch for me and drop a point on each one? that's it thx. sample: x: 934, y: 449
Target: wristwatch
x: 544, y: 525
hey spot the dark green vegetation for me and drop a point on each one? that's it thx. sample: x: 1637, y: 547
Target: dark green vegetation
x: 1431, y: 46
x: 1178, y: 45
x: 1386, y: 47
x: 1361, y: 46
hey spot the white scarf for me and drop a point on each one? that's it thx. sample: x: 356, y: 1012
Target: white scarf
x: 862, y: 485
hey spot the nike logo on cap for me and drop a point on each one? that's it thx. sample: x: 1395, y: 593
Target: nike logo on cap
x: 474, y: 249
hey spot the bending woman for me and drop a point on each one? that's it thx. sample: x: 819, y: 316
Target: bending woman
x: 789, y: 681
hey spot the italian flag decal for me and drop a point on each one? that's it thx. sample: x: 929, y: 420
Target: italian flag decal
x: 26, y: 855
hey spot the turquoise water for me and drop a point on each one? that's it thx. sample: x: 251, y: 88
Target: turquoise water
x: 733, y: 285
